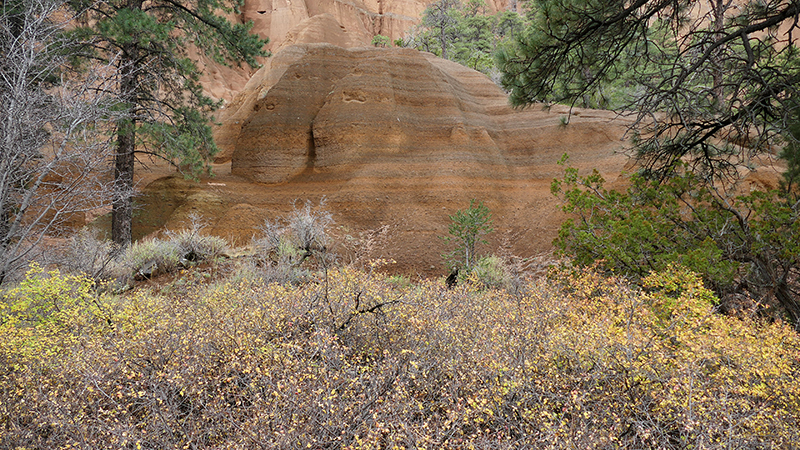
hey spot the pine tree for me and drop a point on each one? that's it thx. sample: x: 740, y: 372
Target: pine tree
x: 710, y: 81
x: 461, y: 31
x: 157, y: 82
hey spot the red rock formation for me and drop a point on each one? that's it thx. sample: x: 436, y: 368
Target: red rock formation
x: 337, y: 114
x: 389, y: 136
x: 346, y: 23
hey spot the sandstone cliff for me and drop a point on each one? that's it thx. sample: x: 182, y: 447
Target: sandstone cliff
x: 329, y: 113
x: 387, y: 136
x: 346, y: 23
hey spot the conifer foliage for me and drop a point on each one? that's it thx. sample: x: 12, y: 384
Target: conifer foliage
x: 149, y: 45
x: 713, y: 87
x: 465, y: 32
x: 712, y: 81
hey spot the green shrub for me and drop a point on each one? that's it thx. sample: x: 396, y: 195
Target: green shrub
x: 491, y: 271
x: 151, y: 255
x: 191, y: 246
x: 380, y: 40
x: 181, y: 248
x: 399, y: 280
x: 737, y: 243
x: 466, y: 230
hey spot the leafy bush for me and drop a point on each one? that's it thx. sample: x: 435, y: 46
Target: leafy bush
x: 491, y: 271
x: 579, y: 361
x: 45, y: 316
x: 380, y: 40
x: 466, y: 230
x: 738, y: 244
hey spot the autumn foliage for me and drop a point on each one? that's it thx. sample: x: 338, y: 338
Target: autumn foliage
x: 357, y: 360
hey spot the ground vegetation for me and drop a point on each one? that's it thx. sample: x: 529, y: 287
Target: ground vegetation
x: 744, y: 246
x: 357, y: 360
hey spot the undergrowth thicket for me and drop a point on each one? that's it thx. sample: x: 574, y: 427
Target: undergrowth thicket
x: 357, y: 360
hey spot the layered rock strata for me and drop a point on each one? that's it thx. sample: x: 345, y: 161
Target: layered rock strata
x: 339, y: 114
x: 389, y: 137
x: 346, y: 23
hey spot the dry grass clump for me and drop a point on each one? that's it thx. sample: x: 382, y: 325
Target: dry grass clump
x: 358, y: 361
x: 86, y: 253
x: 181, y: 248
x: 291, y: 249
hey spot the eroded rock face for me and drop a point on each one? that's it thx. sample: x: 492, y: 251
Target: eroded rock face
x: 345, y: 23
x: 339, y: 114
x: 387, y: 137
x: 273, y: 19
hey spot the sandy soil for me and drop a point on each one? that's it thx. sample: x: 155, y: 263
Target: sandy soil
x: 526, y: 216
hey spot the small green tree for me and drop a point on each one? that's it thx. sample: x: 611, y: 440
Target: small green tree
x: 465, y: 232
x: 380, y: 40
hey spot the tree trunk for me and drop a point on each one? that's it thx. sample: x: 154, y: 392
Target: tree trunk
x: 778, y: 287
x: 443, y: 39
x: 124, y: 158
x: 5, y: 227
x: 789, y: 302
x: 122, y: 206
x: 718, y: 23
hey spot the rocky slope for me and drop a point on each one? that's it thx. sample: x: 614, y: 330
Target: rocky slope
x: 387, y: 137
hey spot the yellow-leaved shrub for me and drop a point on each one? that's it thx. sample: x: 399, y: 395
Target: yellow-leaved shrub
x: 353, y: 360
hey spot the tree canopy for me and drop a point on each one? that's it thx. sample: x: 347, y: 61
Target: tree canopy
x: 156, y: 79
x: 464, y: 32
x: 714, y: 81
x: 714, y: 88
